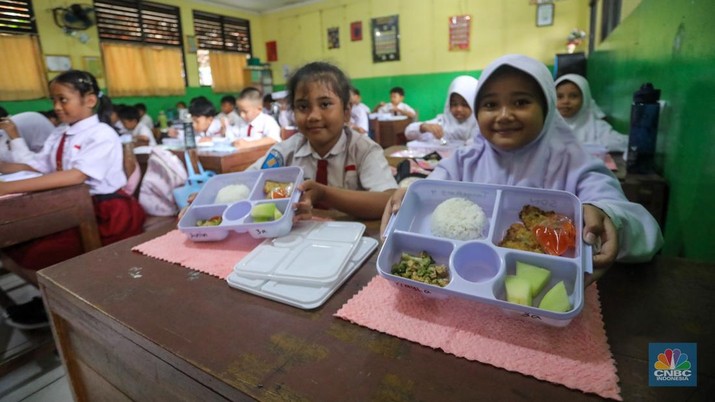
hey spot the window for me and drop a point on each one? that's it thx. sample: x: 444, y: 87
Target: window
x: 216, y: 32
x: 223, y: 44
x: 24, y: 78
x: 610, y: 17
x: 138, y: 21
x: 142, y: 47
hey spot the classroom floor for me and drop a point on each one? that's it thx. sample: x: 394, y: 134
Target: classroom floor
x: 40, y: 380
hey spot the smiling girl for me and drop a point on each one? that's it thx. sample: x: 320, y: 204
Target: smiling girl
x: 523, y: 141
x: 346, y: 171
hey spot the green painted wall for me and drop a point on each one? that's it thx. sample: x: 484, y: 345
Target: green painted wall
x: 671, y: 45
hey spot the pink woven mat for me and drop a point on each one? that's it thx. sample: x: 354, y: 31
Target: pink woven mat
x: 214, y: 258
x: 576, y: 356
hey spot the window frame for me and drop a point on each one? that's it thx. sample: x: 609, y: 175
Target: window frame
x: 145, y: 11
x: 206, y: 18
x: 8, y: 11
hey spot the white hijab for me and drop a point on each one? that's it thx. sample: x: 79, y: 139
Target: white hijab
x: 466, y: 87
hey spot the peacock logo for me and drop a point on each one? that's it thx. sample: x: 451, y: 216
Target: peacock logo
x: 673, y: 365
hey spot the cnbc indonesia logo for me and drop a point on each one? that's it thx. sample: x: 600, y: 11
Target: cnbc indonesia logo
x: 673, y: 367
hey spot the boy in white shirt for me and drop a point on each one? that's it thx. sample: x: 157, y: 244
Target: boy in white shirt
x: 144, y: 117
x: 260, y: 128
x: 359, y: 112
x: 229, y: 119
x: 396, y: 105
x: 140, y: 133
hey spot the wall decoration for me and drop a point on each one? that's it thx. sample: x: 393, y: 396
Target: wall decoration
x: 356, y: 31
x: 385, y: 39
x: 333, y: 38
x: 93, y: 65
x: 58, y: 63
x: 545, y: 14
x: 459, y: 28
x: 271, y: 51
x: 191, y: 43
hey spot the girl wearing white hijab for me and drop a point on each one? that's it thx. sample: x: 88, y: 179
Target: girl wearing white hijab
x: 521, y: 140
x: 457, y: 123
x: 583, y: 115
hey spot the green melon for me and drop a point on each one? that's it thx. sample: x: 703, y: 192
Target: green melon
x: 556, y: 299
x: 518, y: 290
x: 263, y: 212
x: 538, y: 277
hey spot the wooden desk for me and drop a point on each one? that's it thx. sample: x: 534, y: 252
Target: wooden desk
x: 388, y: 133
x: 173, y: 335
x: 32, y: 215
x: 219, y: 161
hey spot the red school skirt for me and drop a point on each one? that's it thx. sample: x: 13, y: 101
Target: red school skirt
x: 118, y: 215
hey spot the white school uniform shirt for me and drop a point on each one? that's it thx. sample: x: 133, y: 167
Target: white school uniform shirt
x: 262, y: 126
x: 389, y: 108
x: 142, y: 129
x: 91, y: 147
x: 33, y: 128
x: 214, y: 129
x: 359, y: 116
x: 588, y: 124
x: 147, y: 120
x: 355, y: 162
x: 454, y: 131
x: 232, y: 118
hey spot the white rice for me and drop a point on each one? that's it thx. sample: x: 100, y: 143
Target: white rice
x: 458, y: 219
x: 232, y: 193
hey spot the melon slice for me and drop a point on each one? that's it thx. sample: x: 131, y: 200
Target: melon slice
x: 556, y: 299
x: 538, y: 277
x: 518, y: 290
x: 277, y: 214
x: 263, y: 212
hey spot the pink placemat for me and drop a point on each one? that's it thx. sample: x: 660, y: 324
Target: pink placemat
x: 214, y: 258
x: 576, y: 356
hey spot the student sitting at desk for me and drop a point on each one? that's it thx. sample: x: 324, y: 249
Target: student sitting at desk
x: 261, y: 128
x: 144, y: 117
x: 140, y: 134
x: 347, y: 171
x: 22, y: 135
x: 359, y: 113
x: 584, y: 116
x: 82, y: 150
x: 396, y: 105
x: 457, y: 123
x: 228, y: 117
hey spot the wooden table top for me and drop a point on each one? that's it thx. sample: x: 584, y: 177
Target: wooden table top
x: 244, y: 345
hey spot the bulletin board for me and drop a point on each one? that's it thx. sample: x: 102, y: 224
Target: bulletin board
x: 385, y: 39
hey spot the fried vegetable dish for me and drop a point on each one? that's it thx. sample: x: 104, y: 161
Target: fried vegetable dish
x: 421, y: 267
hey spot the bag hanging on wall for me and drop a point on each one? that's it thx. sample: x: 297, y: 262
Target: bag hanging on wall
x: 194, y: 183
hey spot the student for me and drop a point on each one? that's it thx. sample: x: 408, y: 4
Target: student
x: 457, y: 123
x: 267, y: 102
x: 260, y: 128
x: 22, y: 135
x: 228, y: 117
x: 203, y: 113
x: 84, y: 149
x: 396, y: 105
x: 181, y: 110
x: 139, y: 133
x: 115, y: 122
x: 523, y: 141
x: 144, y: 117
x: 347, y: 172
x: 286, y: 118
x: 585, y: 118
x: 359, y: 112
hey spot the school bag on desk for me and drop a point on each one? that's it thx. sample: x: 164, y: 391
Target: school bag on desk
x: 164, y: 173
x: 195, y: 181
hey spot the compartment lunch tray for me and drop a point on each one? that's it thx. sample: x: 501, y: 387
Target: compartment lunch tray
x: 236, y: 216
x: 477, y: 268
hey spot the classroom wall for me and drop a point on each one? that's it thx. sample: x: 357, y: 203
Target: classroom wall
x: 426, y: 66
x: 671, y: 45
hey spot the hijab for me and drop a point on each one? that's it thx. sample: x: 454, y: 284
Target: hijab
x: 585, y: 122
x: 466, y: 87
x: 553, y: 160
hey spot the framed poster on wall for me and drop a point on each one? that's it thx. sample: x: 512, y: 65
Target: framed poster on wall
x: 459, y: 27
x: 385, y: 39
x: 333, y: 38
x: 545, y: 14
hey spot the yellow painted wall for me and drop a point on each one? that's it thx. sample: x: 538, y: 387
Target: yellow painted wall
x: 498, y: 27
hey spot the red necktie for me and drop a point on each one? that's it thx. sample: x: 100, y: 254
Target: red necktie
x: 60, y: 151
x: 322, y: 175
x: 249, y: 130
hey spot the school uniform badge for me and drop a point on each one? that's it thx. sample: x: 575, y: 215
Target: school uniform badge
x: 274, y: 159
